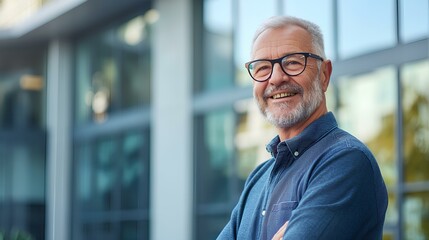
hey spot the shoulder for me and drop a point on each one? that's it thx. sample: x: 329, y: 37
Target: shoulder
x: 344, y: 154
x: 345, y: 165
x: 344, y: 143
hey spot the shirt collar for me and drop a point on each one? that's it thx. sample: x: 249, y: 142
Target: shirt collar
x: 309, y: 136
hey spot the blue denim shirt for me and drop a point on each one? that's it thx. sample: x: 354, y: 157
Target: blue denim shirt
x: 324, y: 181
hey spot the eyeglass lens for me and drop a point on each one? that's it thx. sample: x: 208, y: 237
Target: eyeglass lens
x: 293, y: 65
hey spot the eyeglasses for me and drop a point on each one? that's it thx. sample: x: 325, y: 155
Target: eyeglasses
x: 292, y: 65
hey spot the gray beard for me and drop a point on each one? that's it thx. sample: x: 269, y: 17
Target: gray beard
x: 290, y: 117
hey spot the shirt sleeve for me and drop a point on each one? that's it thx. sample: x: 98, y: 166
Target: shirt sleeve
x: 341, y: 200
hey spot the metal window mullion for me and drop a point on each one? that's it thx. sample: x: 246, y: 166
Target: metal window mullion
x: 399, y: 157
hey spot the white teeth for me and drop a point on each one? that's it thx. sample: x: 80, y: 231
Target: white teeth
x: 282, y: 95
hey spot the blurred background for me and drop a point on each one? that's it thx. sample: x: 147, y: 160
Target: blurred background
x: 134, y: 119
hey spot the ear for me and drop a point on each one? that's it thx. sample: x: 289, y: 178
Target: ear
x: 325, y: 74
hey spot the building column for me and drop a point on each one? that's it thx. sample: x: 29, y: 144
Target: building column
x: 59, y: 141
x: 171, y: 134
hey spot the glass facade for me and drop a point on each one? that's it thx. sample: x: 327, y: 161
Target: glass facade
x: 414, y: 20
x: 111, y: 165
x: 23, y: 142
x: 217, y: 185
x: 321, y: 12
x: 377, y: 94
x: 113, y: 70
x: 385, y: 104
x: 415, y: 86
x: 357, y: 34
x: 217, y: 44
x: 111, y: 190
x: 415, y: 103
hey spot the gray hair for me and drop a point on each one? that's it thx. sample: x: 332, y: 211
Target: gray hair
x: 283, y: 21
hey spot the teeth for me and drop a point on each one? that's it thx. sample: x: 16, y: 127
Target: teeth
x: 282, y: 95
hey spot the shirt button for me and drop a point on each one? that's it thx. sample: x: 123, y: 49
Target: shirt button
x: 296, y: 153
x: 263, y: 213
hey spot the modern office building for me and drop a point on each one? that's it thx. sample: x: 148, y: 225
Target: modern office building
x: 134, y: 119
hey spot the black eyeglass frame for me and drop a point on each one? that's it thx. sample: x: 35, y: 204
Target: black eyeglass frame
x: 279, y: 61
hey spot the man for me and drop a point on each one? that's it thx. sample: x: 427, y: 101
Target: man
x: 321, y: 182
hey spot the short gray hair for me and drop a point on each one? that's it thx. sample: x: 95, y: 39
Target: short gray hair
x: 283, y: 21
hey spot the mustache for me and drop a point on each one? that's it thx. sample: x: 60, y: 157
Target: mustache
x: 290, y: 87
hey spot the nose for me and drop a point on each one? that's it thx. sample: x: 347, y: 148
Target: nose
x: 278, y: 76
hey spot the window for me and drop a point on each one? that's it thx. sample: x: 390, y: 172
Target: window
x: 217, y: 66
x: 111, y: 141
x: 216, y: 183
x: 252, y: 135
x: 365, y: 26
x: 113, y: 70
x: 415, y: 103
x: 23, y: 142
x: 22, y: 186
x: 319, y: 12
x: 414, y: 20
x: 416, y: 209
x: 367, y: 109
x: 112, y: 187
x: 23, y: 91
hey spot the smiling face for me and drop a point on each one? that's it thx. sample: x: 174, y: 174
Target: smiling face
x: 290, y: 103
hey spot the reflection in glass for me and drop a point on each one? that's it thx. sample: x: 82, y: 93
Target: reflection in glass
x: 416, y: 215
x: 135, y: 79
x: 216, y: 186
x: 83, y: 182
x: 367, y: 109
x: 330, y: 94
x: 251, y: 14
x: 112, y: 187
x: 217, y: 46
x: 22, y: 188
x: 360, y: 33
x: 134, y: 172
x: 392, y: 212
x: 129, y: 230
x: 113, y: 70
x: 97, y: 69
x: 22, y: 141
x: 415, y: 103
x: 414, y: 19
x: 23, y: 91
x: 134, y: 230
x: 105, y: 177
x: 319, y: 12
x: 214, y: 144
x: 88, y: 231
x: 388, y: 235
x: 253, y: 134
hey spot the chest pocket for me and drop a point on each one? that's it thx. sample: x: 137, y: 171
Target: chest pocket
x: 278, y: 216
